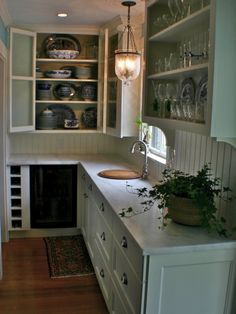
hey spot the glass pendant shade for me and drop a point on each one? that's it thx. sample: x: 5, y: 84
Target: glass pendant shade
x: 127, y: 64
x: 128, y: 59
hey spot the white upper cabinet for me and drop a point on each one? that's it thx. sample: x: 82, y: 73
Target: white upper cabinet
x: 190, y: 63
x: 55, y: 93
x: 123, y: 102
x: 22, y: 80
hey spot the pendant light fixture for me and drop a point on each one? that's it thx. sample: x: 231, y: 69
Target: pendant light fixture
x: 127, y: 60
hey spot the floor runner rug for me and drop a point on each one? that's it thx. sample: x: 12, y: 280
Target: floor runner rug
x: 68, y: 256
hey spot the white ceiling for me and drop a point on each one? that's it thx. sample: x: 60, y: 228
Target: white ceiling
x: 80, y: 12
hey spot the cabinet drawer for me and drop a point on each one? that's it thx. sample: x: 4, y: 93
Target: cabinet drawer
x: 126, y: 280
x: 102, y: 274
x: 118, y: 305
x: 104, y: 209
x: 128, y: 246
x: 104, y: 238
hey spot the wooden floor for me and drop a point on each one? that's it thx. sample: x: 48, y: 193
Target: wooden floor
x: 27, y: 288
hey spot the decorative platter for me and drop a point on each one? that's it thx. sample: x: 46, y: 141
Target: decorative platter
x: 187, y: 93
x: 201, y: 93
x: 63, y: 112
x: 61, y: 42
x: 64, y: 91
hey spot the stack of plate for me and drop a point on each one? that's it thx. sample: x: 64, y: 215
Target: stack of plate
x: 83, y: 72
x: 43, y: 91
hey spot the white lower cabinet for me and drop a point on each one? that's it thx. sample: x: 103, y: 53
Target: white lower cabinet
x: 129, y: 285
x: 117, y: 302
x: 181, y: 280
x: 102, y: 273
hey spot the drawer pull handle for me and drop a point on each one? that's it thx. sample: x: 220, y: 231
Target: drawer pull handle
x: 90, y: 187
x: 124, y: 242
x: 103, y: 236
x: 85, y: 195
x: 102, y: 207
x: 102, y: 273
x: 124, y: 279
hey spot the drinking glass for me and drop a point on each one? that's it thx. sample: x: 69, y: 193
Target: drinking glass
x: 159, y: 65
x: 161, y: 96
x: 173, y: 11
x: 157, y: 101
x: 173, y: 61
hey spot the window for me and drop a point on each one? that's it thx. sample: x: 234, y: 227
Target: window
x: 156, y: 140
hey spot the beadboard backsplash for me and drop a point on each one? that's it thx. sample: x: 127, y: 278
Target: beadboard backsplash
x: 61, y: 144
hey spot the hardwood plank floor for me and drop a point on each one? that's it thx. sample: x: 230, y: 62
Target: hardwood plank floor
x: 27, y: 288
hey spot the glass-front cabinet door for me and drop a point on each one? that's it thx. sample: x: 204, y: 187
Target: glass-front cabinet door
x: 22, y: 80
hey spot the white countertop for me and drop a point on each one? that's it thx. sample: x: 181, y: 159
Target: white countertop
x: 142, y: 227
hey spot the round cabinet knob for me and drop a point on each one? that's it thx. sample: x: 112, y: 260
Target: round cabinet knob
x: 103, y: 236
x: 124, y: 279
x: 102, y: 274
x: 124, y: 242
x: 85, y: 195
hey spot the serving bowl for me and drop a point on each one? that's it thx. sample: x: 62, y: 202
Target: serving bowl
x: 63, y: 54
x: 59, y: 73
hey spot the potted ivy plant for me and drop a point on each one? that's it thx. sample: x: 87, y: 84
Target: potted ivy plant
x: 189, y: 199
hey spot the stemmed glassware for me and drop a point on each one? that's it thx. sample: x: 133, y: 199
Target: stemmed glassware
x: 173, y: 11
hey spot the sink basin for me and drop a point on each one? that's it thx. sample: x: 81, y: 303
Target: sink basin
x: 119, y: 174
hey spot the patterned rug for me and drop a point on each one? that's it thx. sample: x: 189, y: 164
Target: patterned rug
x: 68, y: 256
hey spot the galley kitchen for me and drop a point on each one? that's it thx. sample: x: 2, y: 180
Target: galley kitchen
x: 118, y: 156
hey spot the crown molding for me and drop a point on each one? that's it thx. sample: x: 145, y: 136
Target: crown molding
x: 52, y: 28
x: 4, y: 13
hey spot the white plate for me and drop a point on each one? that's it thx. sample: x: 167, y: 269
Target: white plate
x: 187, y: 94
x: 201, y: 93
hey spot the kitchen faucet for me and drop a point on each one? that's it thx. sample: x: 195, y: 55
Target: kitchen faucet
x: 142, y: 146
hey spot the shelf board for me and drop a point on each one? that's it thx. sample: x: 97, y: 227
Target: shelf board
x: 179, y: 73
x: 66, y: 80
x: 66, y: 102
x: 67, y: 60
x: 174, y: 32
x: 69, y: 131
x: 172, y: 124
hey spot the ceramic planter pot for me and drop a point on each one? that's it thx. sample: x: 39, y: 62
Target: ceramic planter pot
x: 184, y: 211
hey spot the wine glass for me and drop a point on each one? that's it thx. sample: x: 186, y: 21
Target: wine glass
x: 173, y: 11
x: 161, y: 96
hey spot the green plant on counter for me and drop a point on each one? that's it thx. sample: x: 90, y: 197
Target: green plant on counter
x: 201, y: 188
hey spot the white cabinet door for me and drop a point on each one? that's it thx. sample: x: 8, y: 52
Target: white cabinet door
x: 22, y: 80
x: 224, y: 96
x: 191, y: 282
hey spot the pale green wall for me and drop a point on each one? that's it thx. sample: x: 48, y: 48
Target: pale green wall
x: 3, y: 32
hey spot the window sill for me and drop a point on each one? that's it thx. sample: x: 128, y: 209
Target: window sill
x: 159, y: 159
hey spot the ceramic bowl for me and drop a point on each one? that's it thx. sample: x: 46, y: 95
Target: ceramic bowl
x: 89, y: 118
x: 58, y: 73
x: 63, y: 54
x: 64, y: 91
x: 88, y: 92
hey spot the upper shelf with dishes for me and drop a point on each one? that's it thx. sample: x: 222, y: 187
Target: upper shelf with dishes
x: 177, y: 62
x: 67, y: 57
x: 66, y: 81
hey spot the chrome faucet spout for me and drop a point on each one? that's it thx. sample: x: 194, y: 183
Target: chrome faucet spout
x: 142, y: 146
